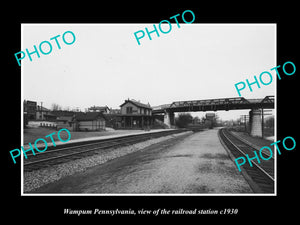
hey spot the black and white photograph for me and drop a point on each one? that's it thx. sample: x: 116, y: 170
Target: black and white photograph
x: 180, y: 114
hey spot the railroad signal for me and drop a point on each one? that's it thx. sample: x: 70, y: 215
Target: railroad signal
x: 244, y: 118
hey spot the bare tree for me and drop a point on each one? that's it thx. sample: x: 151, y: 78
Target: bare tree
x: 55, y: 107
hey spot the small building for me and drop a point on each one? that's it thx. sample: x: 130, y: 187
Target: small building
x: 64, y: 122
x: 210, y: 120
x: 88, y: 121
x: 135, y: 114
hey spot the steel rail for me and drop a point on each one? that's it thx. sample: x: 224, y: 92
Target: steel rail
x: 251, y: 145
x: 80, y: 152
x: 78, y: 146
x: 259, y: 167
x: 121, y: 141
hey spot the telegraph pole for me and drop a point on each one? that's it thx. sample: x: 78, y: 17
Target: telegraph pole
x: 262, y: 122
x: 262, y: 119
x: 42, y: 110
x: 244, y: 119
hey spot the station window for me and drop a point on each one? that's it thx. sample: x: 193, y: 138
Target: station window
x: 129, y: 110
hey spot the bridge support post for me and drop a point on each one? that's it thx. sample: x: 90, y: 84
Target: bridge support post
x: 169, y: 119
x: 255, y: 123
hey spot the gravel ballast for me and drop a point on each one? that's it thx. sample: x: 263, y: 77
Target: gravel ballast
x: 38, y: 178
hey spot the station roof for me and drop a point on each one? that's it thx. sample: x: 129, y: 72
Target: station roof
x: 137, y: 103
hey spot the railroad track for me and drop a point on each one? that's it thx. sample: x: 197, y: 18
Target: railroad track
x: 68, y: 152
x: 261, y: 175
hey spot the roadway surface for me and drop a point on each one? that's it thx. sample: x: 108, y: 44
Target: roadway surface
x: 198, y: 164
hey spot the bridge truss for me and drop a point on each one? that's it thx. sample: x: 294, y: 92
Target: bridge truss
x: 216, y: 104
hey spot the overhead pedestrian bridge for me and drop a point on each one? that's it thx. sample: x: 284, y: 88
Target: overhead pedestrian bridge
x: 227, y: 104
x: 238, y: 103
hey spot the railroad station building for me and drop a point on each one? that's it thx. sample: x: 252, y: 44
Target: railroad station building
x: 135, y: 115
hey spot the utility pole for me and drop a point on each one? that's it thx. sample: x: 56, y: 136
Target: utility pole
x: 262, y: 119
x: 244, y: 120
x: 262, y: 122
x: 42, y: 110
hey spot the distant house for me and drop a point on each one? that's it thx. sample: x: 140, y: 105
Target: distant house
x: 210, y: 119
x: 210, y: 116
x: 103, y: 109
x: 88, y: 121
x: 135, y: 114
x: 43, y: 113
x: 30, y: 109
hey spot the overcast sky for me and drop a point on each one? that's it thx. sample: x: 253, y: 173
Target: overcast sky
x: 105, y: 65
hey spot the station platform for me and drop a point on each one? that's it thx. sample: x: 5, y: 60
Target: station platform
x: 124, y: 133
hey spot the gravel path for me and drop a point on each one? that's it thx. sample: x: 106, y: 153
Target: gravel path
x: 199, y: 164
x: 38, y: 178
